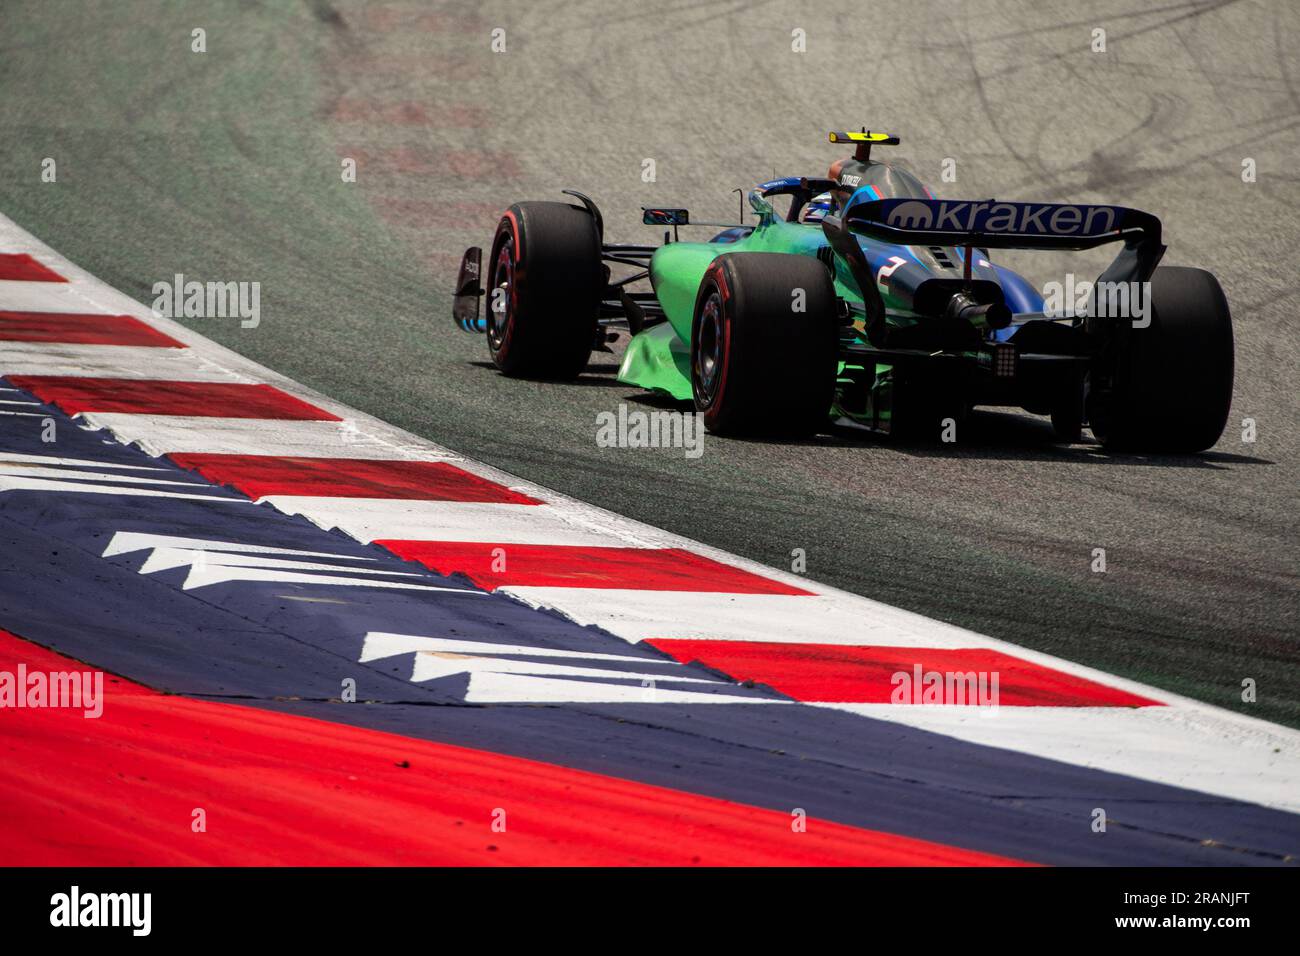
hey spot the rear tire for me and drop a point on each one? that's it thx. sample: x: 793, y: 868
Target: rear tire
x: 1172, y: 386
x: 546, y: 263
x: 759, y: 366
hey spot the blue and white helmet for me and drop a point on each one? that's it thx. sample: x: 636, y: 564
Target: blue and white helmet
x: 816, y: 209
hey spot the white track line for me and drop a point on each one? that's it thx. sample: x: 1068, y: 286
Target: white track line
x: 53, y: 296
x: 164, y: 434
x: 637, y: 615
x: 110, y: 361
x: 371, y: 519
x: 1188, y: 747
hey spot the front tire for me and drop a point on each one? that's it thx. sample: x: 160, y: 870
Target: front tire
x: 545, y: 281
x: 764, y: 345
x: 1171, y: 386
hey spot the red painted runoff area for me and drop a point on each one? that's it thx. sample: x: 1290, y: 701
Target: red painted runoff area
x: 492, y: 566
x: 148, y: 397
x: 837, y: 673
x: 276, y: 789
x: 260, y: 475
x: 81, y: 328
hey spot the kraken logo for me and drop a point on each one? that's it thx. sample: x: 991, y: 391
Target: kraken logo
x: 912, y: 215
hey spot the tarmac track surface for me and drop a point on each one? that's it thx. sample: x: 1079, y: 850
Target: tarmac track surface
x: 225, y: 165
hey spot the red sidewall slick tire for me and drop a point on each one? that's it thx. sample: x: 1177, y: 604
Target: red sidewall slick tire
x: 546, y: 263
x: 764, y: 345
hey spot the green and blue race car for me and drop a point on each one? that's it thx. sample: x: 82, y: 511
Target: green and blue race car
x: 867, y: 302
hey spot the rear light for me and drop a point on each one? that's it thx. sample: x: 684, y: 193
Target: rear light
x: 1004, y: 360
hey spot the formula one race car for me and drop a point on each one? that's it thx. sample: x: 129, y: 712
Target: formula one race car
x: 870, y: 302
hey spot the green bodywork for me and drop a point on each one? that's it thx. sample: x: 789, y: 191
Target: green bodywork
x: 658, y: 358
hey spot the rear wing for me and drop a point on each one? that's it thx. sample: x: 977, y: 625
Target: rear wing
x: 993, y: 224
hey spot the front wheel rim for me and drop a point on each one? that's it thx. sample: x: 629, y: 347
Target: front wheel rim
x: 503, y: 291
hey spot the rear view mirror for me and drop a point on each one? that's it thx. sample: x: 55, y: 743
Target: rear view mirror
x: 665, y: 217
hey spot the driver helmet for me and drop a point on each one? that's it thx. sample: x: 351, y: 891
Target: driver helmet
x: 816, y: 209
